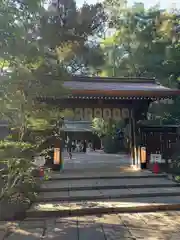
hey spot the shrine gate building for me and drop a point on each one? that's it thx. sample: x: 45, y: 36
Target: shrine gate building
x: 116, y: 98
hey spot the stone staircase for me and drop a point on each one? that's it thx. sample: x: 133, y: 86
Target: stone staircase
x: 86, y: 192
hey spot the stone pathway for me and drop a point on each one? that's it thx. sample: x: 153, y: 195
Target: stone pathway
x: 69, y: 185
x: 104, y: 174
x: 98, y: 197
x: 88, y: 191
x: 95, y: 161
x: 136, y: 226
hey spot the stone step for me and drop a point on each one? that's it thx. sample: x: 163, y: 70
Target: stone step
x: 105, y: 183
x: 103, y: 175
x: 126, y: 205
x: 45, y: 188
x: 130, y: 193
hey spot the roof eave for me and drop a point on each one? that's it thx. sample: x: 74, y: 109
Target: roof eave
x: 113, y: 79
x: 126, y: 93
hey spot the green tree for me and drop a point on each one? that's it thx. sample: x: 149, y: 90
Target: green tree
x: 146, y: 44
x: 38, y: 48
x: 38, y: 63
x: 115, y: 57
x: 107, y: 132
x: 104, y: 128
x: 144, y: 37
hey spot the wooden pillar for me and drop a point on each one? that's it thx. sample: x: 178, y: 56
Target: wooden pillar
x: 132, y: 142
x: 138, y: 153
x: 135, y: 151
x: 139, y: 114
x: 135, y: 142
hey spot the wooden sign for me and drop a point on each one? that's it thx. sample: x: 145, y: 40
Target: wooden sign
x: 116, y: 114
x: 88, y: 114
x: 125, y: 113
x: 106, y: 113
x: 98, y: 112
x: 155, y: 158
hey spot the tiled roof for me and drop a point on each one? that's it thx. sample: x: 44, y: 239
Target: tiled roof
x: 118, y: 86
x: 75, y: 85
x: 113, y: 79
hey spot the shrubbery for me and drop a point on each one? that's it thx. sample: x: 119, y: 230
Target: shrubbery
x: 16, y: 170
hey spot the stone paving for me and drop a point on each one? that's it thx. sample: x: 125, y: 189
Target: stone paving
x: 67, y: 196
x: 96, y: 161
x: 136, y: 226
x: 124, y: 226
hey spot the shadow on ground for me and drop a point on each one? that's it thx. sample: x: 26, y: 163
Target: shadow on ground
x: 164, y: 225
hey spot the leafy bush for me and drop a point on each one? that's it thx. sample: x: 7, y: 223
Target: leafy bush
x: 107, y: 131
x: 106, y: 128
x: 11, y: 149
x: 17, y: 166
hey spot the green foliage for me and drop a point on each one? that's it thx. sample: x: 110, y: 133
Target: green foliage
x: 16, y: 160
x: 143, y: 43
x: 40, y: 48
x: 172, y: 114
x: 98, y: 126
x: 10, y: 150
x: 102, y: 127
x: 38, y: 63
x: 177, y: 178
x: 107, y: 131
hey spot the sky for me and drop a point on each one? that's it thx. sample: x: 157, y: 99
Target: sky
x: 147, y: 3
